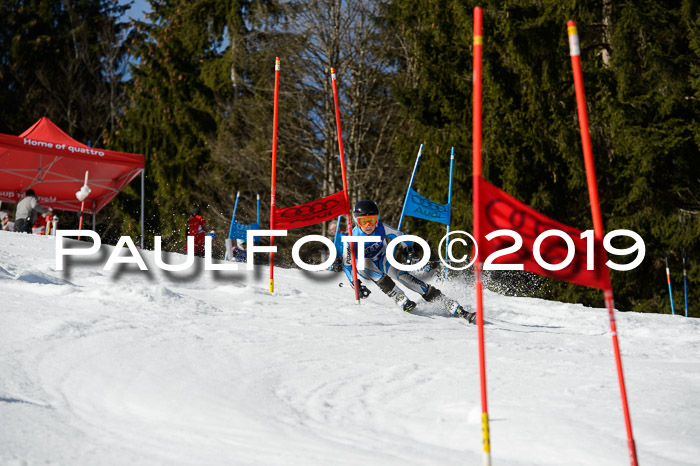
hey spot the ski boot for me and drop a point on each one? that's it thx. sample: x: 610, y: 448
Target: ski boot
x: 453, y: 307
x: 403, y: 302
x: 387, y: 285
x: 458, y: 311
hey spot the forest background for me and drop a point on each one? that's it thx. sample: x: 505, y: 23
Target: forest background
x: 190, y: 86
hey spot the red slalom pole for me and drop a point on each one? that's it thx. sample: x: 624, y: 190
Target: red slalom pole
x: 478, y: 264
x: 345, y: 184
x: 273, y: 181
x: 575, y: 52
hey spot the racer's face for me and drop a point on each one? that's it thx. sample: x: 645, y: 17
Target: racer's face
x: 367, y: 223
x: 368, y: 229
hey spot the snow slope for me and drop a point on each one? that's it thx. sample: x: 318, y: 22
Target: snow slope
x: 208, y: 368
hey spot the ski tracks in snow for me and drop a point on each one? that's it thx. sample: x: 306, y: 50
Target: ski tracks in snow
x: 148, y: 368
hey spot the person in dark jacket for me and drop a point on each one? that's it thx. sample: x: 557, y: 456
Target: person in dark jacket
x: 27, y: 211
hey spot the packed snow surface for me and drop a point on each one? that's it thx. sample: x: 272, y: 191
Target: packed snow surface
x: 207, y: 368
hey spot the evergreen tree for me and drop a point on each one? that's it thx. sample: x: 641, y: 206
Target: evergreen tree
x: 172, y: 115
x: 202, y: 96
x: 642, y: 108
x: 242, y: 148
x: 63, y: 60
x: 649, y: 112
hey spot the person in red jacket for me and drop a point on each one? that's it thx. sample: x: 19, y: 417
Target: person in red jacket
x: 195, y: 227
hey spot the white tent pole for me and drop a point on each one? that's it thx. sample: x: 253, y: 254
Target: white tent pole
x: 143, y: 183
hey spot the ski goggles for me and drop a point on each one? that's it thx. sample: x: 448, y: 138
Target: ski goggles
x: 367, y: 220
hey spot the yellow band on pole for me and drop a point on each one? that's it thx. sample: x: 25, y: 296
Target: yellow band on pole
x: 272, y: 285
x: 485, y: 432
x: 478, y: 40
x: 572, y: 30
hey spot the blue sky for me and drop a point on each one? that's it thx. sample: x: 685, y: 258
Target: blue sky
x: 137, y: 9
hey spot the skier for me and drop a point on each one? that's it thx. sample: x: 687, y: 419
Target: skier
x: 378, y: 269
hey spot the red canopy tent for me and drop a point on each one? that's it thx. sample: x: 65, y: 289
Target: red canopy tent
x: 53, y: 164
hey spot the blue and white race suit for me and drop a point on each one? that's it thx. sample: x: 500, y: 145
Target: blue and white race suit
x: 376, y: 262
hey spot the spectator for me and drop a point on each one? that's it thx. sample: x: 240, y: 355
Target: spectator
x: 195, y: 227
x: 7, y: 223
x: 332, y: 227
x: 27, y: 211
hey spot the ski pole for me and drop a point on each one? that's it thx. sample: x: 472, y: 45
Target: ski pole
x: 685, y: 285
x: 668, y: 279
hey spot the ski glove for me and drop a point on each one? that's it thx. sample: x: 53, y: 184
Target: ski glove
x: 364, y: 291
x: 410, y: 255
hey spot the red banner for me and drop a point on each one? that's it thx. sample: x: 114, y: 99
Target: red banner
x: 499, y: 211
x: 311, y: 213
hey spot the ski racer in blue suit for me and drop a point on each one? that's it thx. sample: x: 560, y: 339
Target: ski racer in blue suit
x: 378, y: 270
